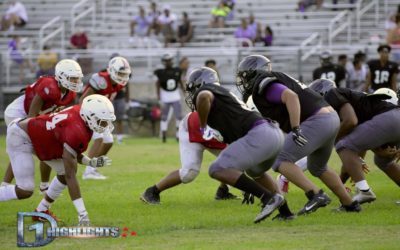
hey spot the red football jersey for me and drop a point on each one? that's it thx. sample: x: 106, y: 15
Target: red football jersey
x: 101, y: 83
x: 49, y: 133
x: 195, y: 135
x: 47, y: 88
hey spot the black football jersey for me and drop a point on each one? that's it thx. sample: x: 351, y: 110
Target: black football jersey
x: 332, y: 72
x: 381, y: 75
x: 169, y: 78
x: 228, y: 114
x: 364, y: 106
x: 310, y: 101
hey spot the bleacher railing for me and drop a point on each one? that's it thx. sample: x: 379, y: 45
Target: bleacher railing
x: 56, y: 21
x: 307, y: 48
x: 362, y: 10
x: 84, y: 8
x: 338, y: 24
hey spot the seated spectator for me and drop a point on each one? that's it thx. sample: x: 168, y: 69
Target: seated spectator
x: 139, y: 26
x: 256, y: 27
x: 185, y: 30
x: 244, y: 31
x: 17, y: 56
x: 46, y: 61
x: 231, y: 5
x: 269, y: 36
x: 153, y: 15
x: 167, y: 22
x: 219, y: 14
x: 303, y: 5
x: 342, y: 60
x: 393, y: 39
x: 15, y: 16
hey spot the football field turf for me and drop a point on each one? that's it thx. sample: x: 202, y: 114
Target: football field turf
x: 190, y: 218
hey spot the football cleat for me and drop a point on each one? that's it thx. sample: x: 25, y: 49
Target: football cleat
x: 364, y: 196
x: 37, y: 218
x: 353, y: 207
x: 281, y: 217
x: 318, y: 200
x: 268, y: 208
x: 223, y: 194
x: 283, y: 184
x: 93, y: 175
x: 151, y: 196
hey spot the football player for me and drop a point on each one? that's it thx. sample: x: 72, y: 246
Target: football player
x: 368, y: 122
x: 253, y: 141
x: 191, y: 146
x: 108, y: 83
x: 167, y: 90
x: 48, y: 94
x: 58, y: 139
x: 329, y: 70
x: 310, y: 123
x: 382, y: 73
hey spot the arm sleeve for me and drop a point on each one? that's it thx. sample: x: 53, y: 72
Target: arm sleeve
x: 273, y: 93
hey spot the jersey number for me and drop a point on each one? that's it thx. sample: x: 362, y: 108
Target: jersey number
x: 171, y: 84
x: 56, y: 119
x: 329, y: 76
x: 381, y: 77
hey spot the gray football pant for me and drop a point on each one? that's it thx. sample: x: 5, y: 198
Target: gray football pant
x: 320, y: 131
x: 254, y: 153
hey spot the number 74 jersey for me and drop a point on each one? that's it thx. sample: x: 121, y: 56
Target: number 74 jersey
x: 51, y: 133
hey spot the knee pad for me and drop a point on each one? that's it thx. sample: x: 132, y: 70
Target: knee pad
x: 108, y: 137
x: 188, y: 175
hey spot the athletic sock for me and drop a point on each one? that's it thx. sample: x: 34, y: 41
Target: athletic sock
x: 285, y: 210
x: 362, y: 186
x: 44, y: 205
x: 248, y: 185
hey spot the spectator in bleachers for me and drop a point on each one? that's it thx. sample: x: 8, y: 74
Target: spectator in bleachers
x: 393, y: 39
x: 139, y: 26
x: 17, y: 56
x: 46, y: 61
x: 168, y: 25
x: 153, y: 15
x: 80, y: 41
x: 15, y: 16
x: 256, y: 27
x: 269, y: 36
x: 336, y: 2
x: 356, y: 75
x: 185, y: 30
x: 244, y: 31
x: 342, y: 60
x: 303, y: 5
x: 219, y: 15
x: 231, y: 5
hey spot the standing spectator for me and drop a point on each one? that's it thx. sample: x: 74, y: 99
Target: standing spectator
x: 46, y: 61
x: 256, y: 27
x: 219, y: 14
x: 357, y: 75
x: 382, y: 72
x: 393, y: 39
x: 184, y: 65
x: 15, y: 15
x: 244, y: 31
x: 329, y: 70
x: 211, y: 63
x: 153, y: 15
x: 168, y: 25
x: 185, y: 30
x: 342, y: 60
x: 139, y: 26
x: 17, y: 56
x: 269, y: 36
x: 167, y: 87
x: 80, y: 41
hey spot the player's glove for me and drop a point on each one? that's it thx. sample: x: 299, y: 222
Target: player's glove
x: 209, y: 133
x: 248, y: 198
x: 298, y: 137
x: 84, y: 220
x: 100, y: 161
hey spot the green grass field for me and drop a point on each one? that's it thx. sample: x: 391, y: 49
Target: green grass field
x: 190, y: 218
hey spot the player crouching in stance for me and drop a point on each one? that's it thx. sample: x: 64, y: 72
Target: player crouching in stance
x: 191, y: 146
x: 253, y: 141
x: 59, y: 140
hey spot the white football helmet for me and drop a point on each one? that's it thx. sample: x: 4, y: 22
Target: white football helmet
x: 67, y: 69
x: 119, y: 70
x: 391, y: 95
x: 98, y: 113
